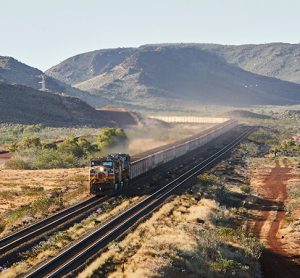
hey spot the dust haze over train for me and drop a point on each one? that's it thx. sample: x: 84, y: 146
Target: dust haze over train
x: 111, y: 174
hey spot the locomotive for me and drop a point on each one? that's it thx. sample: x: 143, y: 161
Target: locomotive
x: 110, y: 175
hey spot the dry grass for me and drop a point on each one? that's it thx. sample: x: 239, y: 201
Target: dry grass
x: 20, y: 189
x: 147, y: 235
x: 181, y: 232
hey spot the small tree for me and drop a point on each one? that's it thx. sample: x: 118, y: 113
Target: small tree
x: 29, y: 142
x: 71, y: 146
x: 111, y: 137
x: 87, y: 146
x: 33, y: 128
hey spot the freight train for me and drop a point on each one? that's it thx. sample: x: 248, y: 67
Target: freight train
x: 110, y: 175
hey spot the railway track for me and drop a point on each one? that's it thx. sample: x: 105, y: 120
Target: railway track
x: 13, y: 245
x: 77, y: 254
x: 40, y: 228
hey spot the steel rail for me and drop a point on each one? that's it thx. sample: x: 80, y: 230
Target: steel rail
x: 78, y: 253
x: 19, y: 238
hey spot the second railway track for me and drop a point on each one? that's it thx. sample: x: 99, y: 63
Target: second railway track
x: 77, y: 254
x: 23, y: 236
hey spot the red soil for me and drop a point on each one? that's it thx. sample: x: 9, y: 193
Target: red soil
x: 276, y: 261
x: 6, y: 155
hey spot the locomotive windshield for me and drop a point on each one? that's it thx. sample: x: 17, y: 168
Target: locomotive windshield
x: 107, y: 163
x: 102, y: 163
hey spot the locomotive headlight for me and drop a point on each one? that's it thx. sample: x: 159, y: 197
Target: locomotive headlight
x: 101, y: 169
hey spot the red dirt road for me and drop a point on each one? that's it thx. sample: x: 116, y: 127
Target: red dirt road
x: 276, y: 261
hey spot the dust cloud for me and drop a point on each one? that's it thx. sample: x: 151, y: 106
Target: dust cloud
x: 146, y: 138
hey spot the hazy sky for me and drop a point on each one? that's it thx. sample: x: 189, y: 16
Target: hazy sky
x: 42, y: 33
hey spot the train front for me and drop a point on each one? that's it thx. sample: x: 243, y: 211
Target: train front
x: 102, y: 176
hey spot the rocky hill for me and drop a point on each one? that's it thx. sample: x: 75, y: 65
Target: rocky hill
x: 236, y: 114
x: 279, y: 60
x: 88, y: 65
x: 15, y: 72
x: 20, y: 104
x: 158, y: 75
x: 181, y: 74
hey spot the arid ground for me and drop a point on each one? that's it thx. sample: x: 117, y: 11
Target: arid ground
x: 281, y: 257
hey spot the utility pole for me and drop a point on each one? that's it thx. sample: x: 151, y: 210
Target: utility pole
x: 43, y: 83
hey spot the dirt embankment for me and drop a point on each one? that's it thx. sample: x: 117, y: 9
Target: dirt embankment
x: 281, y: 258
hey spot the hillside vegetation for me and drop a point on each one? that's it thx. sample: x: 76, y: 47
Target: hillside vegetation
x: 29, y: 152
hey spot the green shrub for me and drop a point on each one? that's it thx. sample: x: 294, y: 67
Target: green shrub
x: 264, y: 136
x: 249, y: 148
x: 228, y: 234
x: 27, y: 142
x: 60, y: 237
x: 225, y: 266
x: 251, y: 245
x: 289, y: 219
x: 87, y: 146
x: 208, y: 179
x: 49, y: 146
x: 71, y: 146
x: 77, y: 226
x: 48, y: 159
x: 246, y: 188
x: 77, y: 147
x: 33, y: 128
x: 17, y: 163
x: 111, y: 137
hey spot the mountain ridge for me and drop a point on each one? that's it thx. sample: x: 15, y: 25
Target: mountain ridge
x: 179, y: 74
x: 251, y: 51
x: 190, y: 74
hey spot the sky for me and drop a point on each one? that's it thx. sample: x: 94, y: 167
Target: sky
x: 42, y: 33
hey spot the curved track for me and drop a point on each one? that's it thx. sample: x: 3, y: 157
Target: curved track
x: 79, y: 253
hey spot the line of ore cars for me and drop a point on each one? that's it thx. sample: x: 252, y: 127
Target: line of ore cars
x: 110, y: 175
